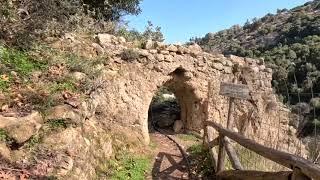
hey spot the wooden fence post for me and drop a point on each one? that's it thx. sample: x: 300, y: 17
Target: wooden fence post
x: 206, y: 136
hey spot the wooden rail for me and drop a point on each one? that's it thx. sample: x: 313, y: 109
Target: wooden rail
x: 301, y: 167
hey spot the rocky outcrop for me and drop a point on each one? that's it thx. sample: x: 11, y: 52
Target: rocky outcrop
x: 22, y: 128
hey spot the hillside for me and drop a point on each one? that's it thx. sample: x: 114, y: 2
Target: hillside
x: 289, y: 42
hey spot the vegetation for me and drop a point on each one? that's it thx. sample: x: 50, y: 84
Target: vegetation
x: 4, y: 137
x: 289, y: 42
x: 26, y: 21
x: 187, y: 137
x: 201, y: 161
x: 129, y: 55
x: 150, y: 32
x: 126, y: 166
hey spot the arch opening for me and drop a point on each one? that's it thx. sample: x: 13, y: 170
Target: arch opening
x: 164, y: 110
x: 175, y: 107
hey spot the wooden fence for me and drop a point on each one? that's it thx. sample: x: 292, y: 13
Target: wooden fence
x: 300, y: 168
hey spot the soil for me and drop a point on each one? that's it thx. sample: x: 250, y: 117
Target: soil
x: 169, y: 163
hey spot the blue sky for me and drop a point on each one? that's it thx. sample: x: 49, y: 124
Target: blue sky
x: 182, y: 19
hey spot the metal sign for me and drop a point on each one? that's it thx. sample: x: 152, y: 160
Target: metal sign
x: 239, y: 91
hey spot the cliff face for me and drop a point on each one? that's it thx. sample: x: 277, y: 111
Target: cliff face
x: 116, y: 110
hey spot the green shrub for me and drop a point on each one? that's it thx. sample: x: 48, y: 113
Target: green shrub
x: 4, y: 85
x: 58, y: 124
x: 4, y: 137
x: 187, y: 137
x: 201, y: 160
x: 33, y: 141
x: 129, y: 55
x: 126, y: 166
x: 87, y: 66
x: 18, y: 61
x: 65, y: 84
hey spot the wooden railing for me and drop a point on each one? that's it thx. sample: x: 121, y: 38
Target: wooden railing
x: 301, y: 168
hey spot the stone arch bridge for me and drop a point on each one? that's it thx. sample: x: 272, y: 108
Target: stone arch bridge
x: 130, y: 84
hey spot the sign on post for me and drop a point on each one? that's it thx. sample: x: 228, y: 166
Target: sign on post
x: 240, y: 91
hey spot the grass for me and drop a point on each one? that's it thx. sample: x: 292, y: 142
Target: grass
x: 67, y: 84
x: 4, y: 137
x: 58, y: 124
x: 129, y: 55
x: 201, y: 161
x: 187, y: 137
x: 153, y: 145
x: 33, y: 141
x: 253, y: 161
x: 19, y: 61
x: 126, y: 166
x: 4, y: 84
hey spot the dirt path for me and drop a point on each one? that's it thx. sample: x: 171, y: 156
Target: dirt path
x: 168, y: 162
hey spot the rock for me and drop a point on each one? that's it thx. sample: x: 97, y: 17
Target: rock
x: 292, y: 130
x: 64, y: 112
x: 227, y: 70
x: 262, y: 67
x: 164, y: 52
x: 236, y: 60
x: 153, y: 51
x: 122, y: 40
x: 21, y: 129
x: 188, y: 75
x: 69, y: 36
x: 228, y: 63
x: 98, y: 48
x: 65, y: 165
x: 255, y: 69
x: 148, y: 44
x: 195, y: 49
x: 36, y: 75
x: 79, y: 76
x: 105, y: 39
x: 165, y: 114
x: 201, y: 63
x: 168, y: 58
x: 178, y: 125
x: 151, y: 57
x: 183, y: 50
x: 268, y: 70
x: 160, y: 57
x: 250, y: 60
x: 172, y: 48
x: 217, y: 66
x: 159, y: 45
x: 144, y: 53
x: 5, y: 151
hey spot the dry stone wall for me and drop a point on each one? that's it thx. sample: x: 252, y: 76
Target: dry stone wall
x: 128, y: 89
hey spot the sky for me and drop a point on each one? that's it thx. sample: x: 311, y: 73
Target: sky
x: 182, y: 19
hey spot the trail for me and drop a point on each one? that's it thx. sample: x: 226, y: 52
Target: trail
x: 169, y: 163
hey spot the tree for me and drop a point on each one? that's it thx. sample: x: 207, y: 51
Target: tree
x: 153, y: 33
x: 25, y: 21
x: 112, y: 9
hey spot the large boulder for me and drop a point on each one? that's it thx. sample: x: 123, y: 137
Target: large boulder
x: 195, y: 49
x: 172, y: 48
x: 177, y: 126
x: 105, y: 39
x: 148, y: 44
x: 4, y: 151
x: 22, y: 128
x: 64, y: 112
x: 164, y: 115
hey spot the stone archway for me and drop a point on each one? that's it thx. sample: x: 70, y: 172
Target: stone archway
x: 191, y: 106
